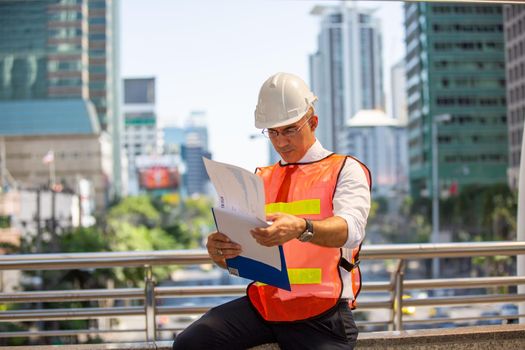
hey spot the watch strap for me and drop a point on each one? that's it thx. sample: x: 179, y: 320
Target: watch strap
x: 308, y: 233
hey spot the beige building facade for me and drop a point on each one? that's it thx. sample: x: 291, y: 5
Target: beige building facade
x: 82, y: 156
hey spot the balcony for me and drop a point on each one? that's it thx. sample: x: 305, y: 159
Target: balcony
x: 148, y: 308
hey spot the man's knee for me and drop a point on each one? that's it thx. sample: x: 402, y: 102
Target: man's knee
x: 196, y: 336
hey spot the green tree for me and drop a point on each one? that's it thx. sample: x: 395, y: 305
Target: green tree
x: 137, y: 210
x: 486, y: 213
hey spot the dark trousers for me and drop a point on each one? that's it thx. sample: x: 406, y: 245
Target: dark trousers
x: 236, y: 325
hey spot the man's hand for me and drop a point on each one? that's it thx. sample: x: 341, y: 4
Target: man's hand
x: 220, y: 248
x: 284, y: 228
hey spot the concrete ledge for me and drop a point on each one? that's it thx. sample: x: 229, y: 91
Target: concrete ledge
x: 160, y: 345
x: 476, y: 338
x: 481, y: 337
x: 112, y: 346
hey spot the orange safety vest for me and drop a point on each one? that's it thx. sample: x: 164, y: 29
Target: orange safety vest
x: 313, y: 270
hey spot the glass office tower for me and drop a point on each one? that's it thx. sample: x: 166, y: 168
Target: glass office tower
x: 346, y: 71
x: 455, y: 64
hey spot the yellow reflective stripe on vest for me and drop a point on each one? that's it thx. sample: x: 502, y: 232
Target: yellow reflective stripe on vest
x: 304, y: 207
x: 302, y: 276
x: 305, y: 276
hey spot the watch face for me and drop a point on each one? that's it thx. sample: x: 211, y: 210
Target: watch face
x: 306, y: 236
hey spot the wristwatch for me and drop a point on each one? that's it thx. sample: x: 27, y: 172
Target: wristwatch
x: 308, y: 233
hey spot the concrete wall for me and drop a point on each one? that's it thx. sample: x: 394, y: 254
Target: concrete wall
x: 475, y: 338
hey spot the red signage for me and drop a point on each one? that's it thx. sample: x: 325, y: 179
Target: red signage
x: 159, y: 178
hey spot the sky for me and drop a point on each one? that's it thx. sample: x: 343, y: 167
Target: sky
x: 214, y: 55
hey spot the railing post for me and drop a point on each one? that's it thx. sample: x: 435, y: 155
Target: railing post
x: 397, y: 313
x: 392, y: 289
x: 149, y: 304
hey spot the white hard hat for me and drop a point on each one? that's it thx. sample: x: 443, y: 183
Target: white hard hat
x: 284, y: 98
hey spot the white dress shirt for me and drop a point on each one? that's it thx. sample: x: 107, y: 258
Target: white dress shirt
x: 352, y: 194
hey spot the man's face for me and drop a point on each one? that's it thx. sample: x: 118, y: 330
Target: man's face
x: 292, y: 141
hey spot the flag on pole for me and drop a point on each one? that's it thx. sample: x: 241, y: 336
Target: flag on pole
x: 49, y: 157
x: 453, y: 189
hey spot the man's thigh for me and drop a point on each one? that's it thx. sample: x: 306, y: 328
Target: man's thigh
x: 233, y: 325
x: 336, y: 330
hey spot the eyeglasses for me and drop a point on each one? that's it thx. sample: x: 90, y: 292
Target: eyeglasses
x: 288, y: 132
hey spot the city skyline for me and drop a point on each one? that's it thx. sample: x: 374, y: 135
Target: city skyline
x: 217, y: 63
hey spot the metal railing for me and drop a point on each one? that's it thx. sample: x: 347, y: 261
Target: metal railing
x: 150, y: 294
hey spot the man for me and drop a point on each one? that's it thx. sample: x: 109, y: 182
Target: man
x: 318, y: 203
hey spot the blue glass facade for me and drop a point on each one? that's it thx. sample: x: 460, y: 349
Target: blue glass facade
x: 48, y: 117
x: 63, y: 49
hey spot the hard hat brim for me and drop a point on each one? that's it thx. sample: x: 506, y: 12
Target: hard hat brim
x: 261, y: 125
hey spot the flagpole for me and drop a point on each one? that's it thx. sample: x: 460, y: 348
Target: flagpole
x: 49, y: 159
x: 52, y: 174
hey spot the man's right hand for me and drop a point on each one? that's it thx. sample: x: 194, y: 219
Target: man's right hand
x: 220, y: 248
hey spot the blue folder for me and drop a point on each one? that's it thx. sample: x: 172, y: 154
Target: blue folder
x: 256, y: 270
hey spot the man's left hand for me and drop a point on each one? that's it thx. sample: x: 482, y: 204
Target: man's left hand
x: 284, y: 228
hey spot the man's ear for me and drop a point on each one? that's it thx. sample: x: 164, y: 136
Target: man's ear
x: 314, y: 122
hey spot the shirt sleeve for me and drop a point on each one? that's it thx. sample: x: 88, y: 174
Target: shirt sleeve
x: 352, y: 201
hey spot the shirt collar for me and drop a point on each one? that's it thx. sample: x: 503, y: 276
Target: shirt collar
x: 314, y: 153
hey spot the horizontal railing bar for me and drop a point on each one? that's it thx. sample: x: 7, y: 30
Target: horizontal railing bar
x: 373, y: 323
x: 358, y: 323
x: 57, y: 295
x: 241, y: 289
x: 200, y: 291
x: 69, y: 314
x: 460, y: 319
x: 376, y: 286
x: 463, y: 282
x: 183, y: 310
x: 58, y: 333
x: 127, y: 255
x: 465, y: 299
x: 432, y: 250
x: 64, y: 261
x: 170, y: 329
x: 104, y: 262
x: 366, y: 305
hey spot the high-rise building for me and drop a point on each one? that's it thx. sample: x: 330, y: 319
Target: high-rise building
x: 173, y: 138
x: 380, y: 142
x: 44, y: 50
x: 398, y: 90
x: 195, y: 178
x: 197, y: 123
x: 140, y: 124
x: 191, y: 141
x: 455, y: 65
x: 514, y: 16
x: 63, y: 49
x: 346, y: 71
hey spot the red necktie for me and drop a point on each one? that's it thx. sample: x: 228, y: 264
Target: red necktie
x: 282, y: 194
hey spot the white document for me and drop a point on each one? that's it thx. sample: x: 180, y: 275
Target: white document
x: 241, y: 208
x: 239, y: 190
